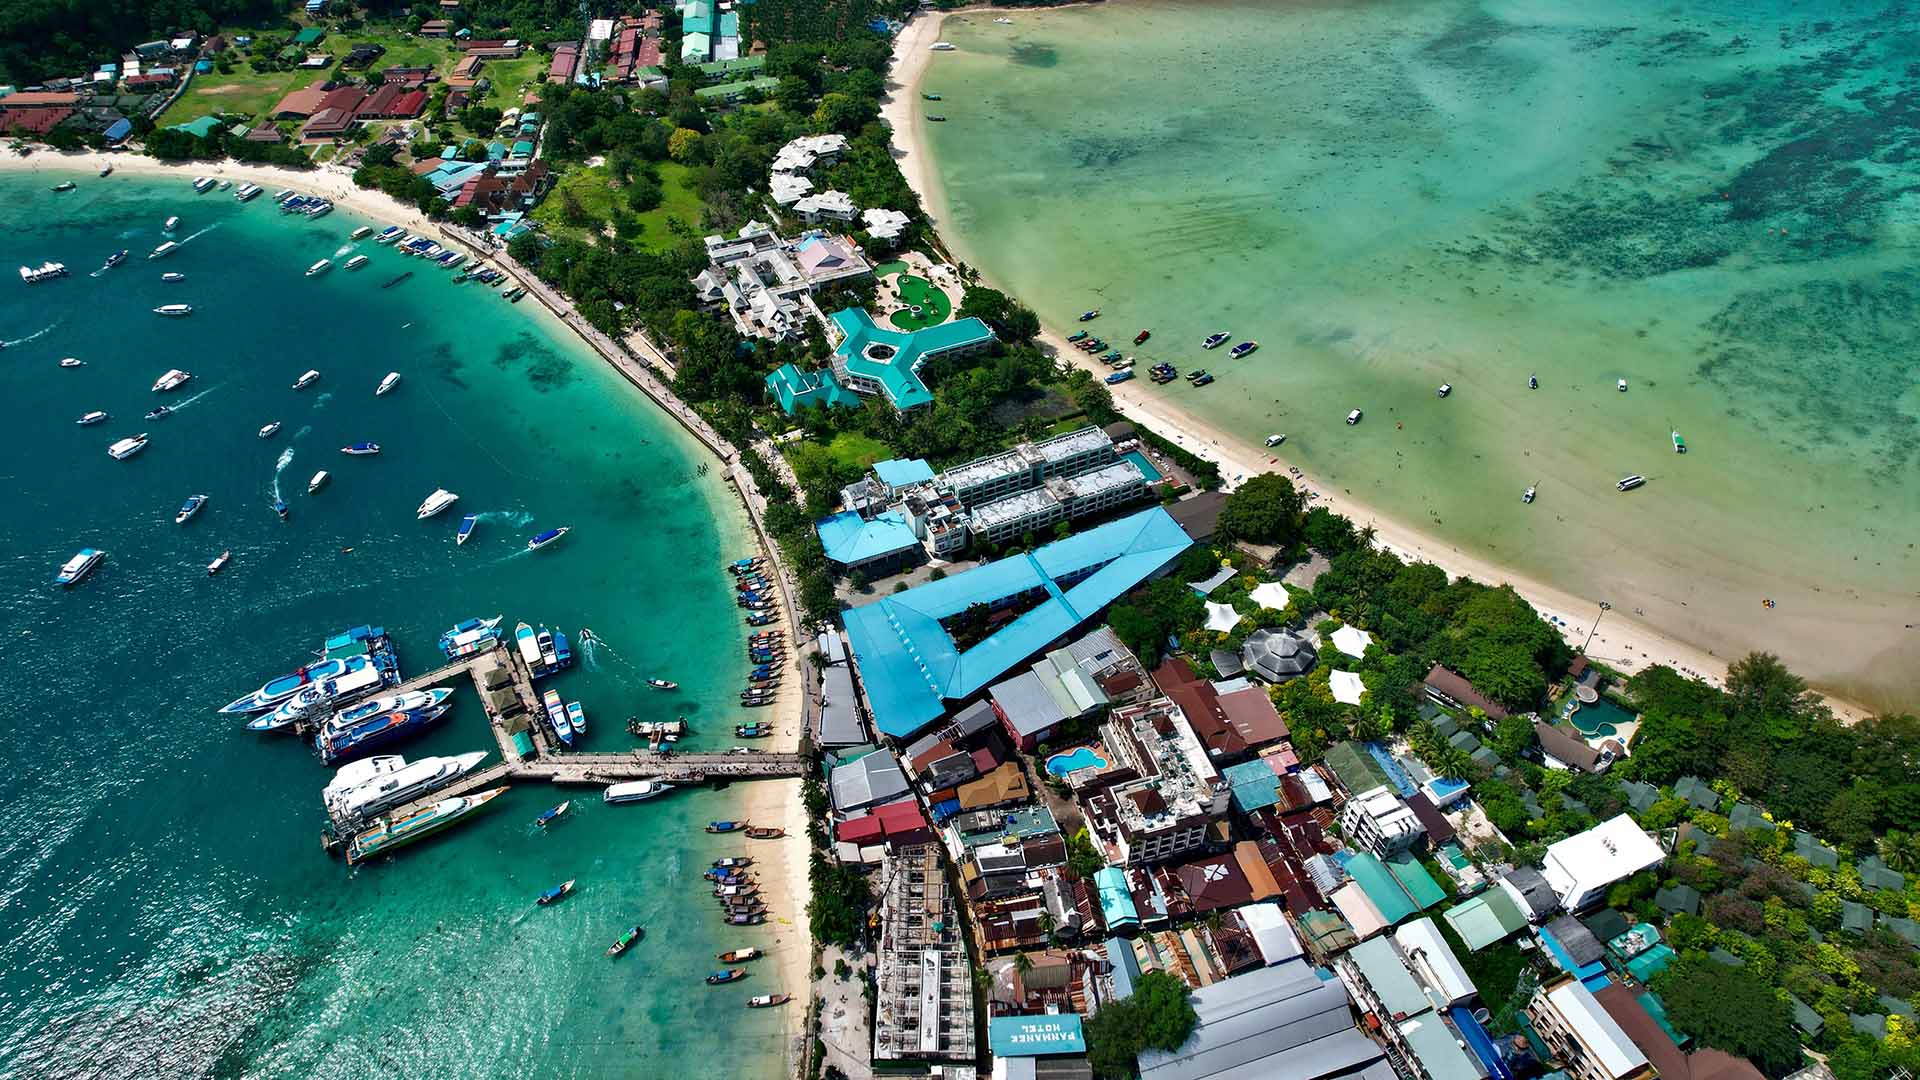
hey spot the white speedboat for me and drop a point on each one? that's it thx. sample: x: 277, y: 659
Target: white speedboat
x: 356, y: 262
x: 78, y: 567
x: 174, y: 311
x: 164, y: 249
x: 319, y: 480
x: 306, y: 380
x: 435, y: 503
x: 360, y: 233
x: 320, y: 267
x: 1628, y: 483
x: 73, y: 361
x: 128, y: 447
x: 173, y: 277
x: 174, y: 379
x: 219, y: 563
x: 635, y: 791
x: 89, y: 419
x: 942, y: 46
x: 411, y: 699
x: 268, y: 431
x: 172, y: 224
x: 392, y: 380
x: 204, y: 184
x: 248, y: 192
x: 1621, y: 386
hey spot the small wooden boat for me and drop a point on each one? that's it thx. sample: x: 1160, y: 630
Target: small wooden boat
x: 768, y: 1001
x: 762, y: 832
x: 732, y: 861
x: 557, y: 893
x: 720, y: 978
x: 726, y: 826
x: 662, y: 684
x: 739, y: 956
x: 627, y: 941
x: 744, y: 890
x: 547, y: 816
x: 745, y: 920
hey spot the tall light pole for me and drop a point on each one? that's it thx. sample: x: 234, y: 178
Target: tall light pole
x: 1604, y: 608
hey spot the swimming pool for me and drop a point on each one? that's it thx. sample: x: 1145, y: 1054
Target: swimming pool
x: 1080, y: 757
x: 1444, y: 789
x: 1600, y: 719
x: 1147, y: 470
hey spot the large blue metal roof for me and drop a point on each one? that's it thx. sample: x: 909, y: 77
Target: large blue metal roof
x: 908, y: 661
x: 849, y: 539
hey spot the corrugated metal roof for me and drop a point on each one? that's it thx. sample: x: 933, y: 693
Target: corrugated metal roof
x: 1275, y: 1023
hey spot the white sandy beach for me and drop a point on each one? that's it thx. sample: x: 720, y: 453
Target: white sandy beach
x: 1621, y: 641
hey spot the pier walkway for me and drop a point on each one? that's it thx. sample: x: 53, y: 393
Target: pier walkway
x: 505, y: 687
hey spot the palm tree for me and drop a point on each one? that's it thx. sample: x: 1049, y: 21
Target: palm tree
x: 1900, y: 851
x: 1022, y: 963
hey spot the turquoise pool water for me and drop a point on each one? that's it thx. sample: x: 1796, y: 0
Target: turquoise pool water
x: 1080, y: 757
x: 1146, y: 467
x: 1601, y: 718
x: 1446, y: 787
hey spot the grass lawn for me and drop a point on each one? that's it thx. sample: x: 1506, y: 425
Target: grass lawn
x: 509, y: 79
x: 933, y: 303
x: 242, y: 92
x: 252, y: 94
x: 858, y: 451
x: 592, y: 189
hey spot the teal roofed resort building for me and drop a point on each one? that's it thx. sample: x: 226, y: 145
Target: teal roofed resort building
x: 878, y: 362
x: 795, y: 389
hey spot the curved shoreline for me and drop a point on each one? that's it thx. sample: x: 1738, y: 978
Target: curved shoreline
x: 772, y: 801
x: 1618, y: 640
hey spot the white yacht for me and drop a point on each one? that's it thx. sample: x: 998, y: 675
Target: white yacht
x: 1628, y: 483
x: 360, y: 233
x: 204, y: 184
x: 128, y: 447
x: 634, y: 791
x: 248, y: 192
x: 392, y: 380
x: 308, y: 379
x: 174, y: 311
x: 173, y: 277
x: 267, y: 430
x: 1353, y: 417
x: 172, y: 224
x: 174, y: 379
x: 319, y: 481
x: 394, y: 782
x: 356, y: 262
x: 435, y: 503
x: 320, y: 267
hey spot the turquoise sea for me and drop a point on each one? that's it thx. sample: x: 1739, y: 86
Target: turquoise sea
x: 1718, y: 202
x: 169, y: 911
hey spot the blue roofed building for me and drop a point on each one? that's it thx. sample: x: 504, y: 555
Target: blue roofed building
x: 881, y: 545
x: 910, y: 665
x: 903, y: 472
x: 1116, y: 907
x: 871, y: 360
x: 1036, y: 1036
x: 795, y: 389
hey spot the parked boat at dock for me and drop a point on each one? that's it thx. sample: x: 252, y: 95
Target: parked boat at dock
x: 247, y: 192
x: 389, y: 234
x: 577, y: 716
x: 204, y: 184
x: 77, y: 568
x: 393, y: 833
x: 470, y: 636
x: 634, y: 791
x: 357, y: 262
x: 369, y: 786
x: 342, y: 744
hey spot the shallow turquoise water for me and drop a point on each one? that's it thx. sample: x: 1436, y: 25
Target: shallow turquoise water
x: 169, y: 911
x: 1714, y: 201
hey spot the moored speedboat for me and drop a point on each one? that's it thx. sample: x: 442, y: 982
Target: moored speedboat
x: 1216, y: 340
x: 89, y: 419
x: 577, y: 716
x: 219, y: 562
x: 361, y: 449
x: 1527, y: 495
x: 114, y: 259
x: 470, y: 636
x: 174, y: 311
x: 107, y: 169
x: 267, y: 432
x: 171, y: 277
x: 204, y: 184
x: 1628, y: 483
x: 337, y: 744
x: 127, y: 447
x: 1142, y: 336
x: 634, y: 791
x: 1679, y: 444
x: 65, y: 185
x: 320, y: 267
x: 357, y: 262
x: 1242, y: 349
x: 663, y: 684
x: 548, y: 537
x: 189, y: 508
x: 360, y: 233
x: 393, y: 833
x: 166, y: 248
x: 247, y: 192
x: 528, y: 642
x: 466, y: 528
x: 319, y: 480
x: 172, y: 224
x: 78, y: 567
x: 435, y: 503
x: 308, y: 378
x: 391, y: 380
x: 389, y: 234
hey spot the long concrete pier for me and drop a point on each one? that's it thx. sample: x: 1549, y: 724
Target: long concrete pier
x: 504, y: 684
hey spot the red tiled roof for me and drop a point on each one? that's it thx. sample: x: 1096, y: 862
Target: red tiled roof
x: 347, y: 98
x: 36, y: 121
x: 984, y: 760
x: 865, y: 829
x: 302, y: 103
x: 901, y: 818
x: 39, y: 99
x: 1252, y: 715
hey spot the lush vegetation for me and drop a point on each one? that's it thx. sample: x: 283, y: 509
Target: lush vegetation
x: 1159, y: 1016
x: 169, y: 144
x: 1726, y: 1007
x: 1147, y: 618
x: 41, y: 39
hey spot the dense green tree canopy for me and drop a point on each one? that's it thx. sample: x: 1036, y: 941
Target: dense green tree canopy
x: 1267, y: 509
x: 1728, y: 1008
x: 1159, y: 1016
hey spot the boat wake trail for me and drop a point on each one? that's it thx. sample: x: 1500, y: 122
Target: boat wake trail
x: 279, y: 466
x: 513, y: 518
x: 201, y: 233
x: 305, y: 430
x: 320, y: 402
x: 37, y: 333
x: 341, y: 250
x: 184, y: 402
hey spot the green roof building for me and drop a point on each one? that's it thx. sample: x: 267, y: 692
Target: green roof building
x: 200, y: 128
x: 876, y: 361
x: 1486, y: 919
x: 312, y: 35
x: 728, y: 70
x: 734, y: 91
x: 795, y: 389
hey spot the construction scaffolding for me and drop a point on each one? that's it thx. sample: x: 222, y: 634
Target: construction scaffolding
x: 924, y: 1004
